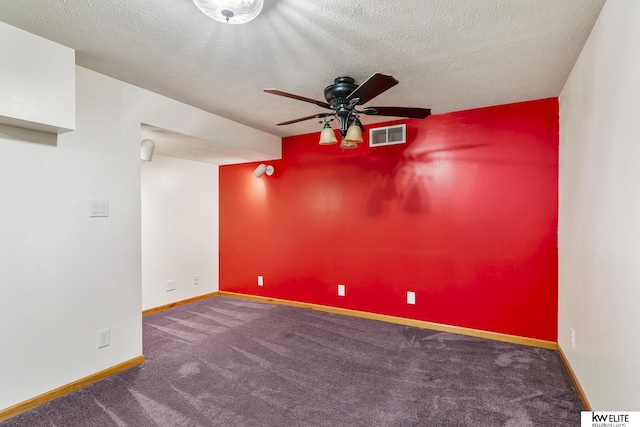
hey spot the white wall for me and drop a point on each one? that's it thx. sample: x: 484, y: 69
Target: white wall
x: 599, y: 211
x: 179, y: 229
x: 63, y: 275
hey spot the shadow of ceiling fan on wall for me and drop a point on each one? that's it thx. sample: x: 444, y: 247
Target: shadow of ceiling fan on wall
x: 342, y: 98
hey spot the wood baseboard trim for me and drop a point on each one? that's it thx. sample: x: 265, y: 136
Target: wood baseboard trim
x: 401, y: 321
x: 574, y: 379
x: 16, y: 409
x: 177, y: 303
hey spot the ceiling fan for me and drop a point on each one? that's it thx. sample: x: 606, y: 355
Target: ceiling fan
x: 342, y: 98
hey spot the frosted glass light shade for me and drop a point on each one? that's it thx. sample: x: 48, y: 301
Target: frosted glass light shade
x: 146, y: 149
x: 231, y: 11
x: 348, y: 144
x: 327, y: 137
x: 354, y: 134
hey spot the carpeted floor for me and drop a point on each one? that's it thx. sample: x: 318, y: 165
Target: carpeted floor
x: 230, y: 362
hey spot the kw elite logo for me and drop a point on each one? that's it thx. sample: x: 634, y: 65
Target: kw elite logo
x: 610, y: 419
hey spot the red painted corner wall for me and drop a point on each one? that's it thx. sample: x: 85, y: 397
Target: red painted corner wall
x: 464, y: 215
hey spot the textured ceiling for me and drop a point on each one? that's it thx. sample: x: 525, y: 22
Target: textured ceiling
x: 447, y: 54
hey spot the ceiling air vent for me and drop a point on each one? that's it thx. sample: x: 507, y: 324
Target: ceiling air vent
x: 388, y: 135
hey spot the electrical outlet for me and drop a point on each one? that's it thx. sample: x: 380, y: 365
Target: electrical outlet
x: 411, y: 297
x: 341, y: 290
x: 196, y: 279
x: 260, y: 281
x: 573, y: 338
x: 104, y: 338
x: 171, y: 285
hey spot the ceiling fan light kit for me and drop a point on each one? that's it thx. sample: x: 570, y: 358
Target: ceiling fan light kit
x: 342, y: 97
x: 231, y: 11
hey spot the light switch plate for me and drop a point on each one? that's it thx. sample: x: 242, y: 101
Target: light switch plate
x: 98, y: 208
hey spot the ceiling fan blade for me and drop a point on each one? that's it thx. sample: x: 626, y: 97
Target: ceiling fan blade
x: 315, y: 116
x: 414, y: 113
x: 298, y: 97
x: 372, y: 87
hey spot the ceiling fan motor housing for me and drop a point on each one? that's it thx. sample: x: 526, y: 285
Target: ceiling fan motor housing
x: 337, y: 93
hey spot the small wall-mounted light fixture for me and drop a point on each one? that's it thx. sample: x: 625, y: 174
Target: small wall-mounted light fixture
x: 262, y: 169
x: 146, y: 149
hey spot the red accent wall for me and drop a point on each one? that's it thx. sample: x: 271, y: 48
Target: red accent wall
x: 464, y: 215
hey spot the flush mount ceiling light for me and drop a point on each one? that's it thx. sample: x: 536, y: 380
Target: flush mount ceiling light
x: 230, y: 11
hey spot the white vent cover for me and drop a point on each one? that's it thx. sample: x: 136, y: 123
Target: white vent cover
x: 388, y: 135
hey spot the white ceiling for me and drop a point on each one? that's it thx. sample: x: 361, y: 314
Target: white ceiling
x: 448, y: 55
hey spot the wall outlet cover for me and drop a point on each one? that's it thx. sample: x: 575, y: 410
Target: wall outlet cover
x: 411, y: 297
x: 104, y: 338
x: 572, y: 336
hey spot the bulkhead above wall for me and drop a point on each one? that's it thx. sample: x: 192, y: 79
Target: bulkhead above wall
x: 188, y: 147
x: 38, y: 84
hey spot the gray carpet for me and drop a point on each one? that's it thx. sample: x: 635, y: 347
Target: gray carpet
x: 230, y: 362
